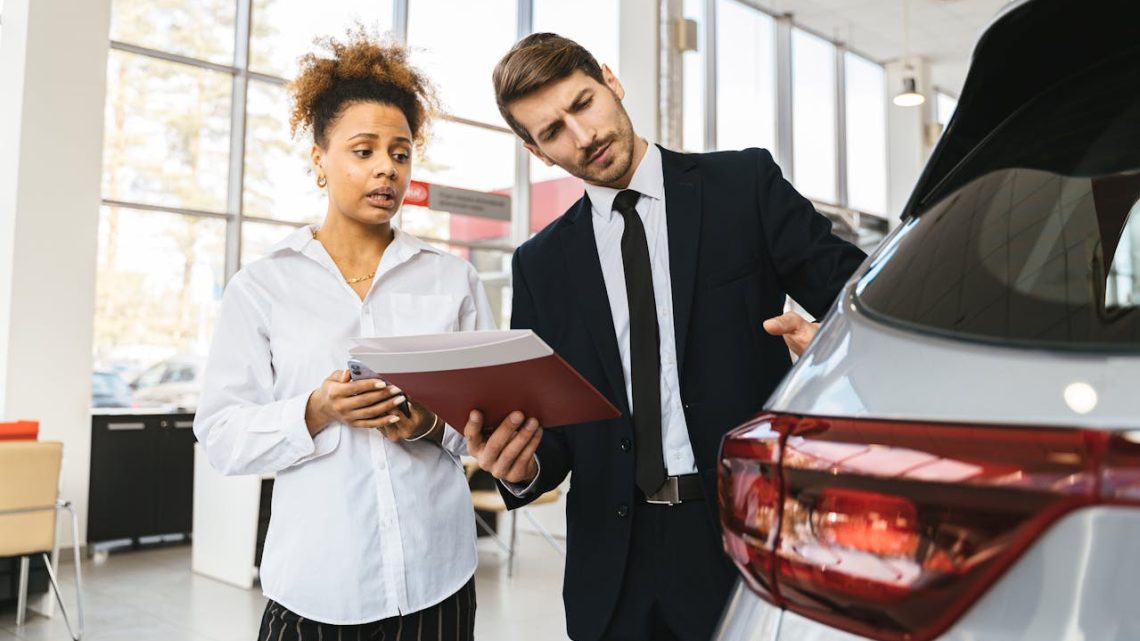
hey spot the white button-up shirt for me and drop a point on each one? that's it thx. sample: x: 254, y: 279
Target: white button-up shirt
x: 362, y: 529
x: 649, y: 181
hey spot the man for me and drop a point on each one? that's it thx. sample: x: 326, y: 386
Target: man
x: 655, y: 286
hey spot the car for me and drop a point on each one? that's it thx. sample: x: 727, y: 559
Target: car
x: 108, y: 389
x: 172, y: 384
x: 956, y: 456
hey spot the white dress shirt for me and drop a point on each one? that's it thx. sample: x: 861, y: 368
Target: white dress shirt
x: 362, y: 529
x: 649, y: 181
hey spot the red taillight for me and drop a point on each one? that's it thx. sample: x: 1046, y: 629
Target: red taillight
x: 891, y: 529
x: 867, y: 521
x: 750, y: 495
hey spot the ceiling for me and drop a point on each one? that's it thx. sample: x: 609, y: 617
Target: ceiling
x: 942, y: 31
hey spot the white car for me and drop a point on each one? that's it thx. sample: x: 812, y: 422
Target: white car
x: 957, y: 455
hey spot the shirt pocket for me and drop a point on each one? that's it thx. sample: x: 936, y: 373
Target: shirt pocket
x: 409, y: 314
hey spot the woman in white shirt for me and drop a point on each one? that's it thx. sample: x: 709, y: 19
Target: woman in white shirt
x: 372, y: 532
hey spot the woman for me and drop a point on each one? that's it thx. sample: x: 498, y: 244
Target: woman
x: 372, y: 531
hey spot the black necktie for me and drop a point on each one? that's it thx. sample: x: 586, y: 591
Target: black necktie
x: 644, y: 350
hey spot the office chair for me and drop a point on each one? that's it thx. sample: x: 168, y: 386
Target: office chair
x: 491, y: 501
x: 29, y: 500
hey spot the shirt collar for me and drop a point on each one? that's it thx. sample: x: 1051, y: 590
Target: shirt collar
x: 404, y: 244
x: 648, y: 179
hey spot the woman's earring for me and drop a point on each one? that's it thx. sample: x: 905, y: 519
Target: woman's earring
x: 322, y: 181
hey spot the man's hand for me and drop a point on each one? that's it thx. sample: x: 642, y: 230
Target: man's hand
x: 508, y: 453
x: 796, y: 330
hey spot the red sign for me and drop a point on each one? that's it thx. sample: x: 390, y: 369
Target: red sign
x: 417, y: 194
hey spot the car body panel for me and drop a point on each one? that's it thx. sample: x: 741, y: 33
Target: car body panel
x: 1078, y: 582
x: 842, y: 374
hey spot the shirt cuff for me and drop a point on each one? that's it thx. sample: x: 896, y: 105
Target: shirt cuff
x: 525, y: 491
x: 453, y: 441
x: 303, y: 446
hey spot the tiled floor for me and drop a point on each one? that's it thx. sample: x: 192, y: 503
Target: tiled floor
x: 151, y: 595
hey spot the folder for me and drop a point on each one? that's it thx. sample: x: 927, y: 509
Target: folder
x: 495, y: 372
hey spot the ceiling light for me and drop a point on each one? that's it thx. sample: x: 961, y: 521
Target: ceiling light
x: 909, y: 96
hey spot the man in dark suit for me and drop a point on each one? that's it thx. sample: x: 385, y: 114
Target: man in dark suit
x: 656, y: 287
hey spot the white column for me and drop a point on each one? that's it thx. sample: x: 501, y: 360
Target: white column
x: 638, y: 56
x: 53, y: 66
x: 907, y: 148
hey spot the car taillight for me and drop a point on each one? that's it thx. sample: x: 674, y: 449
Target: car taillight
x: 749, y: 491
x: 892, y: 529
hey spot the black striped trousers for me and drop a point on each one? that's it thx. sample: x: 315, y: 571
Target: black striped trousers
x: 451, y: 620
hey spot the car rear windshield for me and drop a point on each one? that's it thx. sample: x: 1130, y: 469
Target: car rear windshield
x: 1040, y: 245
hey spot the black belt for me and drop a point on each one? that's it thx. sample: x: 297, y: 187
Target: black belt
x: 676, y: 489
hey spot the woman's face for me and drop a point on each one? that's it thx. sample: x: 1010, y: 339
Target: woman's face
x: 368, y: 162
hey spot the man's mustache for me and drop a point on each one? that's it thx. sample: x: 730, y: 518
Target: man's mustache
x: 593, y: 149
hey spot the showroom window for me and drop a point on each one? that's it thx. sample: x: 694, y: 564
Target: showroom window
x: 772, y: 84
x: 201, y: 175
x: 866, y: 105
x: 814, y: 137
x: 745, y: 77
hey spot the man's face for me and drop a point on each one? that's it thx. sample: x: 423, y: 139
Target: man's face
x: 581, y: 126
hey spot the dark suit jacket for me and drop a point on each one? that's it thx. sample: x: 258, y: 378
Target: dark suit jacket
x: 740, y: 238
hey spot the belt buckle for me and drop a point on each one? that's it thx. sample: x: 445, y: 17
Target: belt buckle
x: 668, y: 494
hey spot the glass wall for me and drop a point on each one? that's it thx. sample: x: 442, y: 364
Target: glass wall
x: 814, y: 138
x: 201, y: 175
x: 745, y: 77
x: 944, y: 106
x: 779, y: 87
x: 866, y: 106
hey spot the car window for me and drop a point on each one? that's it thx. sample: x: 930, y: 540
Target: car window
x: 181, y: 374
x: 152, y: 376
x: 1022, y: 256
x: 1041, y: 245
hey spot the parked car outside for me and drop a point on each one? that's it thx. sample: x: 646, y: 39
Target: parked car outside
x: 957, y: 455
x: 108, y: 389
x: 172, y: 384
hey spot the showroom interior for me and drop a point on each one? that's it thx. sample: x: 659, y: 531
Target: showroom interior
x: 146, y: 158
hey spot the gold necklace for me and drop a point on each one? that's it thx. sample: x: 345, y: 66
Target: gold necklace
x: 350, y: 281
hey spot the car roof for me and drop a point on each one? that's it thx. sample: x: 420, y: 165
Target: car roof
x: 1029, y: 47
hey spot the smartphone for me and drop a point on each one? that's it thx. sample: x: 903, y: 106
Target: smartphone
x: 358, y: 371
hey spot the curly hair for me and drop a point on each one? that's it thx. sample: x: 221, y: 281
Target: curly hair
x: 360, y: 69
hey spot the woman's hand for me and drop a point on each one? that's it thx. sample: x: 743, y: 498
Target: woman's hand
x: 421, y: 421
x: 367, y: 404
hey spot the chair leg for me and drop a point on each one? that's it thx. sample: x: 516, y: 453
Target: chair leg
x: 22, y: 592
x: 59, y: 599
x: 544, y: 532
x: 511, y: 550
x: 76, y: 634
x: 491, y: 531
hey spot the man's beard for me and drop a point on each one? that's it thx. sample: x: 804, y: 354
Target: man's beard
x: 621, y: 157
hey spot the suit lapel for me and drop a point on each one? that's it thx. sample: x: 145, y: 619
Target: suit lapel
x: 683, y: 215
x: 585, y: 270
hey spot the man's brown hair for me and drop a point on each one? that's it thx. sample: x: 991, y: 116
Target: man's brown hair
x: 534, y: 62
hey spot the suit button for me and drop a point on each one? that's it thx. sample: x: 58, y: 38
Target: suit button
x: 626, y: 445
x: 623, y: 510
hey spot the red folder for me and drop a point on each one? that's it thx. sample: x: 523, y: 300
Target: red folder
x: 495, y: 372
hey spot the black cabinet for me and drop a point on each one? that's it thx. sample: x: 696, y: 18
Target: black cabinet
x: 142, y: 476
x: 10, y: 578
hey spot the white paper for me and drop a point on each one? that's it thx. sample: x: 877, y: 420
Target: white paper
x: 450, y: 351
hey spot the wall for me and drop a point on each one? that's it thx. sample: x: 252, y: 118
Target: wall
x: 53, y: 58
